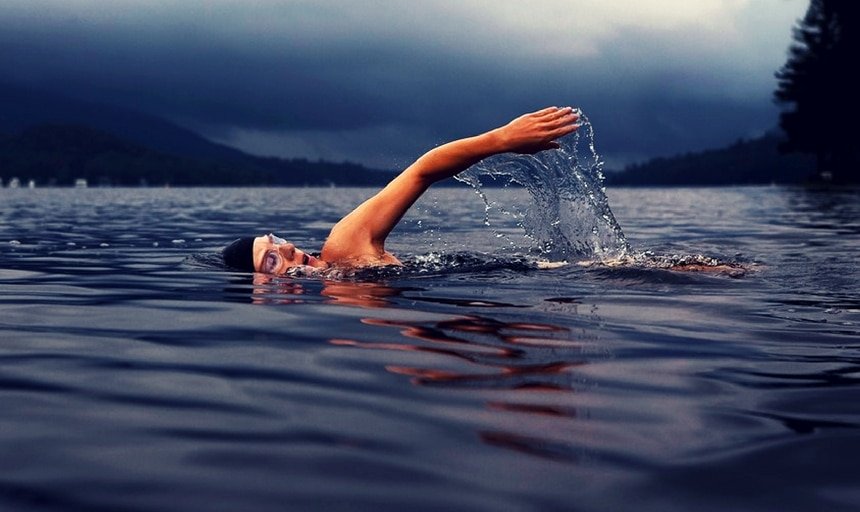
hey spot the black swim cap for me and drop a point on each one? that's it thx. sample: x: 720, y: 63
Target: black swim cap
x: 240, y: 254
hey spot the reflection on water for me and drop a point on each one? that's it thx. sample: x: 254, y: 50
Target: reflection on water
x: 494, y: 362
x: 492, y: 348
x: 473, y: 352
x: 268, y: 289
x: 498, y: 356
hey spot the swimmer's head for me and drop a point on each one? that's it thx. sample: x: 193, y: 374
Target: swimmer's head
x: 268, y: 254
x: 240, y: 254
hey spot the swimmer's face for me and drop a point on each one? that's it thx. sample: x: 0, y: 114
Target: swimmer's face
x: 274, y: 255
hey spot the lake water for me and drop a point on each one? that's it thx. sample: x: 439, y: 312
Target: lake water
x: 137, y: 374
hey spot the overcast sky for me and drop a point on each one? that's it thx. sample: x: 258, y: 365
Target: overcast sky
x: 379, y: 82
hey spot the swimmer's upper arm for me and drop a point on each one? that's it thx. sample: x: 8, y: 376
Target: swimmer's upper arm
x: 366, y: 228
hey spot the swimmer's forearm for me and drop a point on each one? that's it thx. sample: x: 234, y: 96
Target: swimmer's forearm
x: 528, y: 133
x: 454, y: 157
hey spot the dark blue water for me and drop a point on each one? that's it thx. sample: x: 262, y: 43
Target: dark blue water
x: 135, y: 374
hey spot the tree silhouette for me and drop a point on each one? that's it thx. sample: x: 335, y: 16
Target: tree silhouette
x: 819, y: 80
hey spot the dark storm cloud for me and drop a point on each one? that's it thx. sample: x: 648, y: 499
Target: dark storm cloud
x: 338, y: 85
x: 383, y: 74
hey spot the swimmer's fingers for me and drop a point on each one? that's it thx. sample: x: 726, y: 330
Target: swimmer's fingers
x: 561, y: 125
x: 544, y: 112
x: 561, y: 131
x: 561, y: 113
x: 551, y: 112
x: 556, y: 114
x: 561, y: 118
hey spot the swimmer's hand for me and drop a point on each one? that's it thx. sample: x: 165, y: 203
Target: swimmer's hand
x: 537, y: 131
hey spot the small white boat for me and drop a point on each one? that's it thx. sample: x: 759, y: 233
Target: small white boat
x: 80, y: 183
x: 31, y: 184
x: 14, y: 183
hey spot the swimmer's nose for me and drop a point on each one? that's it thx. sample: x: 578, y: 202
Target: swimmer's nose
x: 288, y: 250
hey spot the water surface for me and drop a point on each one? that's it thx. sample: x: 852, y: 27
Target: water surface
x: 136, y: 374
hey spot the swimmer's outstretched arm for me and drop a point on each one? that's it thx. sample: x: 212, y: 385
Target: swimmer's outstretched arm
x: 363, y: 232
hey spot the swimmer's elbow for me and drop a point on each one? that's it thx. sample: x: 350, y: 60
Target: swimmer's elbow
x: 419, y: 175
x: 432, y: 168
x: 454, y: 157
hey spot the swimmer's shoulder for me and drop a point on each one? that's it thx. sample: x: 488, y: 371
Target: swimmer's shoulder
x: 358, y: 257
x: 351, y: 246
x: 367, y: 260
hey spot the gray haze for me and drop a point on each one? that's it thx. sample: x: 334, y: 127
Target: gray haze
x: 379, y: 82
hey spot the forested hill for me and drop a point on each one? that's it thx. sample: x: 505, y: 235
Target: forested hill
x: 53, y: 139
x: 746, y: 162
x: 60, y: 154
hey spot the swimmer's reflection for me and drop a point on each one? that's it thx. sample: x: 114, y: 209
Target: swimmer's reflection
x: 365, y: 295
x: 533, y: 359
x: 492, y: 348
x: 270, y: 289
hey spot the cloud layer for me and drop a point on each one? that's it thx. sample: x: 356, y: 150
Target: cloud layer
x: 380, y: 81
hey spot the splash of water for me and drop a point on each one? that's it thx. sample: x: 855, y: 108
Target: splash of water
x: 569, y: 215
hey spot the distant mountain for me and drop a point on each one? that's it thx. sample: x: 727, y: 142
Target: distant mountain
x: 60, y: 154
x: 37, y: 127
x: 746, y: 162
x: 23, y: 107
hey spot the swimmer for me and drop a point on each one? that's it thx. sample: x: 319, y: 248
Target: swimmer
x: 358, y: 240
